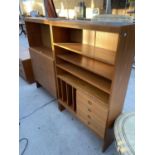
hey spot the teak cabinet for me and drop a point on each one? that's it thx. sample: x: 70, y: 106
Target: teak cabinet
x: 86, y: 65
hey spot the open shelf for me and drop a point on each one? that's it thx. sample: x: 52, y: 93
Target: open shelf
x: 97, y: 53
x: 46, y: 51
x: 93, y: 79
x: 92, y: 65
x: 80, y: 84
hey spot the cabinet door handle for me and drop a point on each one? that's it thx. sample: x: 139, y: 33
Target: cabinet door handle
x: 89, y: 102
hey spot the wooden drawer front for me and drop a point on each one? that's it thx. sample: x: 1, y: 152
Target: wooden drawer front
x: 88, y: 112
x: 91, y: 122
x: 97, y: 109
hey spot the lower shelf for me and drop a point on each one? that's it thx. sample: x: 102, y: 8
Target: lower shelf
x: 94, y: 80
x: 81, y: 85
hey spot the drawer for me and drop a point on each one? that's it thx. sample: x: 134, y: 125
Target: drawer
x: 86, y: 104
x: 85, y: 96
x: 89, y: 112
x: 90, y: 116
x: 91, y: 123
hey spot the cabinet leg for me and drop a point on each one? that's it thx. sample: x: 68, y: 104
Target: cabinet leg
x: 38, y: 85
x: 61, y: 107
x: 108, y: 139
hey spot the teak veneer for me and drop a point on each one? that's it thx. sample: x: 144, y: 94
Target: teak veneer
x: 86, y: 65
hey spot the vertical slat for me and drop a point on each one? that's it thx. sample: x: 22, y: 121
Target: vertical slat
x: 59, y: 89
x: 74, y: 98
x: 67, y: 94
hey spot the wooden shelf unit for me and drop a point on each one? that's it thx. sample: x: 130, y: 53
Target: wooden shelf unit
x: 92, y: 64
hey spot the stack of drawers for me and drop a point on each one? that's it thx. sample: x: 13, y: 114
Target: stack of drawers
x: 92, y: 112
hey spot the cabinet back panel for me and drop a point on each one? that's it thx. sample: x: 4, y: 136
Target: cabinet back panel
x: 67, y: 35
x: 33, y: 33
x: 45, y: 35
x: 38, y: 34
x: 89, y: 37
x: 104, y: 40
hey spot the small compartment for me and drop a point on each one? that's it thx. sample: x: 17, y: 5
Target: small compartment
x: 59, y: 89
x: 74, y: 98
x: 64, y: 35
x: 63, y: 91
x: 39, y: 37
x: 67, y: 94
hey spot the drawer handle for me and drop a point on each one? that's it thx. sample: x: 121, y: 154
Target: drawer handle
x: 89, y: 102
x: 89, y: 110
x: 89, y: 116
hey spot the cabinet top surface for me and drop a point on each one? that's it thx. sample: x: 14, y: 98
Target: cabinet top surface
x: 81, y: 24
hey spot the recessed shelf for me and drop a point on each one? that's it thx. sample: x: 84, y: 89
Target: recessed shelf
x: 93, y: 79
x: 92, y: 65
x: 46, y: 51
x: 97, y: 53
x: 80, y: 84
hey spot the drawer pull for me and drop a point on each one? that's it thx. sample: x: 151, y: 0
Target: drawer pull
x: 89, y: 102
x: 89, y: 116
x: 88, y: 123
x: 89, y: 110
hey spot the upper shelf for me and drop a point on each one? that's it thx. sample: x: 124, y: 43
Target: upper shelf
x: 89, y: 64
x: 100, y: 54
x: 46, y: 51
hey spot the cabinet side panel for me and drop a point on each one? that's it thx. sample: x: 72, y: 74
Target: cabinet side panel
x: 124, y: 60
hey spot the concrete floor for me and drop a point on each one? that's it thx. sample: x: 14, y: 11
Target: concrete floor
x: 51, y: 132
